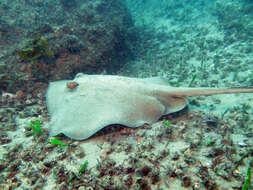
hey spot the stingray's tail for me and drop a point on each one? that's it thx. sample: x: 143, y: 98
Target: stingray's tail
x: 207, y: 91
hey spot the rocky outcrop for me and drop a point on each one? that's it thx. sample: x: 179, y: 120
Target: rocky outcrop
x: 53, y: 40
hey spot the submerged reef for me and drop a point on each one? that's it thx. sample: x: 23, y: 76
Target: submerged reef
x: 94, y: 37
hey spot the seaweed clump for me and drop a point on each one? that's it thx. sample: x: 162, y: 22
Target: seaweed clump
x: 36, y: 49
x: 247, y: 182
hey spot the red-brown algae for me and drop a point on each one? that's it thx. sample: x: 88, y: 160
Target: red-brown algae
x: 72, y: 85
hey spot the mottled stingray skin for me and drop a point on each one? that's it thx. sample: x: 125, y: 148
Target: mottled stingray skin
x: 102, y: 100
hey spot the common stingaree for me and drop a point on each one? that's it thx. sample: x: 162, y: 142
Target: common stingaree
x: 81, y: 107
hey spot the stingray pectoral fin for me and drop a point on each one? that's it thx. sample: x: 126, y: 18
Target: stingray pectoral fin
x: 173, y: 104
x: 53, y: 96
x: 79, y: 115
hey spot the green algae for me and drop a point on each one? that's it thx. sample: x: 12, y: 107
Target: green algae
x: 36, y: 128
x: 247, y: 181
x: 35, y: 49
x: 167, y: 123
x: 83, y: 167
x: 57, y: 142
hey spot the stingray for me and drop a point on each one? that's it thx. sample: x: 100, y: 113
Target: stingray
x: 79, y: 108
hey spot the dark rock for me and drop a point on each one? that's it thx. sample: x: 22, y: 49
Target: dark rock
x: 143, y: 171
x: 186, y: 181
x: 96, y: 38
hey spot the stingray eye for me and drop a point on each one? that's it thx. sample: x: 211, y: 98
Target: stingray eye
x: 72, y: 85
x: 79, y: 75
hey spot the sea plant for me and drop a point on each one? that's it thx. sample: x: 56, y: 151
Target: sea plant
x: 57, y: 142
x: 35, y: 49
x: 167, y: 123
x: 193, y: 80
x: 83, y: 167
x: 36, y: 128
x: 248, y: 177
x: 239, y: 162
x: 211, y: 142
